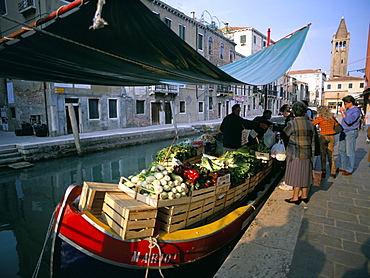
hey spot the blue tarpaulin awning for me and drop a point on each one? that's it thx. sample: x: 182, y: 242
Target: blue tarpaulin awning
x: 270, y: 63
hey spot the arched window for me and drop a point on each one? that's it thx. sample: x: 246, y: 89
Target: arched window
x: 210, y: 46
x: 222, y: 51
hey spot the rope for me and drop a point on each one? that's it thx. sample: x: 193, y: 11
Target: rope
x: 57, y: 12
x: 98, y: 21
x: 153, y: 243
x: 51, y: 224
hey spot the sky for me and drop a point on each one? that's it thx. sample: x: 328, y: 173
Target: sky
x: 284, y: 17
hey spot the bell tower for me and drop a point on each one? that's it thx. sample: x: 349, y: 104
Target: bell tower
x: 339, y: 51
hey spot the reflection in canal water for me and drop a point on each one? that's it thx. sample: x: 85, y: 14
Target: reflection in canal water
x: 28, y: 198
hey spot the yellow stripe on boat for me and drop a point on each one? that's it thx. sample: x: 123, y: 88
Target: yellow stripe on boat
x: 183, y: 235
x: 206, y: 230
x: 99, y: 223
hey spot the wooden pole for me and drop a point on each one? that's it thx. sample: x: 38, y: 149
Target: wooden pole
x: 72, y: 117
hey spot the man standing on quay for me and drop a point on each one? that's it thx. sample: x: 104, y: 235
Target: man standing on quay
x: 347, y: 139
x: 232, y: 126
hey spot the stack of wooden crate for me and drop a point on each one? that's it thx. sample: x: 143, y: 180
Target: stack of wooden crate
x: 128, y: 217
x: 92, y: 195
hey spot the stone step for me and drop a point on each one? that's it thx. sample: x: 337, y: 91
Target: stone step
x: 6, y: 161
x: 9, y: 155
x: 8, y: 149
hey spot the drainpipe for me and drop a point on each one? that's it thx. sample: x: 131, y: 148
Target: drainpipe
x: 46, y: 108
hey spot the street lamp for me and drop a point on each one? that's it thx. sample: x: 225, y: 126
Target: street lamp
x: 337, y: 102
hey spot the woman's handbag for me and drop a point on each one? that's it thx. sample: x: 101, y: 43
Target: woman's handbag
x: 316, y: 176
x: 338, y: 127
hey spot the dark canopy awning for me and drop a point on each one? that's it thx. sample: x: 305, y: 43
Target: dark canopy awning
x: 135, y: 48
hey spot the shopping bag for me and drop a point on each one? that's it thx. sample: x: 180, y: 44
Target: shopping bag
x: 278, y: 151
x: 317, y: 175
x: 269, y: 138
x: 245, y: 134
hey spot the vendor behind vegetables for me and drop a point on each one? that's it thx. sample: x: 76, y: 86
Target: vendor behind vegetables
x: 232, y: 126
x: 265, y: 118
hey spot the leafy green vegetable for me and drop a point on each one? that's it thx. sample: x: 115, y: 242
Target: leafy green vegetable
x: 181, y: 151
x: 260, y: 147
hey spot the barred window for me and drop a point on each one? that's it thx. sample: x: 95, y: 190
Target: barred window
x: 112, y: 106
x: 93, y: 109
x: 182, y: 106
x: 140, y: 106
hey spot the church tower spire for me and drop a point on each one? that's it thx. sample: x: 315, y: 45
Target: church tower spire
x: 339, y: 51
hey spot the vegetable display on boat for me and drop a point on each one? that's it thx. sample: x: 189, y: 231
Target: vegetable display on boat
x: 187, y: 208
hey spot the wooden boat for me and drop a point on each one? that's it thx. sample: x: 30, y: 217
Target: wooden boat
x: 81, y: 238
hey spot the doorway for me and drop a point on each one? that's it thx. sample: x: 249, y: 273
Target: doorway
x: 69, y: 125
x: 168, y: 113
x: 156, y: 107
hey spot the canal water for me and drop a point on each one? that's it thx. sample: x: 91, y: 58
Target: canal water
x: 28, y: 198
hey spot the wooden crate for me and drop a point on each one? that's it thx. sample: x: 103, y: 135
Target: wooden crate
x: 208, y: 207
x: 223, y: 179
x: 132, y: 192
x: 270, y: 162
x: 244, y: 188
x: 128, y: 217
x: 151, y: 200
x: 238, y: 192
x: 253, y: 183
x: 177, y: 217
x: 195, y: 159
x: 264, y: 156
x: 203, y: 193
x: 222, y: 188
x: 195, y: 212
x: 155, y: 201
x: 230, y: 197
x: 219, y: 202
x: 93, y: 193
x: 172, y: 218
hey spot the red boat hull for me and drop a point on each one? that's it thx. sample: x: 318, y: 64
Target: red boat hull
x: 84, y: 232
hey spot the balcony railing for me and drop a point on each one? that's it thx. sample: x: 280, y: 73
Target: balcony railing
x: 166, y: 89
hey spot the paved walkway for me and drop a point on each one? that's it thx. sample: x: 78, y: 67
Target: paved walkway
x: 9, y: 137
x: 328, y: 237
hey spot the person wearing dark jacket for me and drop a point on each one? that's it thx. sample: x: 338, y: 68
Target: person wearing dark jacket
x: 265, y: 118
x: 232, y: 127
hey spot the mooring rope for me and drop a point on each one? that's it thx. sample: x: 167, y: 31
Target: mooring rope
x: 153, y: 243
x: 51, y: 224
x: 98, y: 21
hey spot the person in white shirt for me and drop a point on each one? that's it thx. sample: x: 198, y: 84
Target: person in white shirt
x: 367, y: 125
